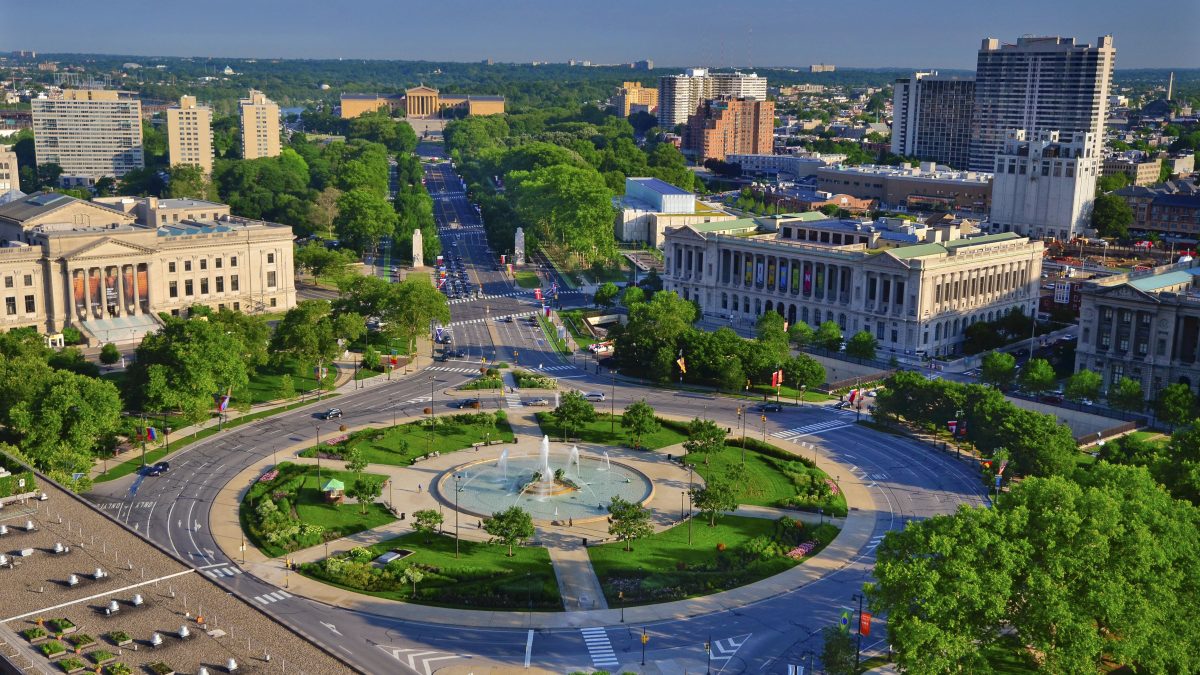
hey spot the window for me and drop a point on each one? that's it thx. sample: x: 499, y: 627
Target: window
x: 204, y: 285
x: 270, y: 258
x: 204, y: 263
x: 187, y: 265
x: 220, y: 284
x: 171, y: 267
x: 28, y: 279
x: 1142, y: 347
x: 271, y: 279
x: 237, y: 306
x: 233, y: 261
x: 30, y: 305
x: 1123, y: 345
x: 173, y: 289
x: 10, y: 305
x: 895, y: 336
x: 233, y: 282
x: 273, y: 302
x: 8, y: 282
x: 187, y: 287
x: 217, y: 263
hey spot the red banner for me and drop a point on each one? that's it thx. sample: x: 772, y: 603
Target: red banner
x: 864, y: 623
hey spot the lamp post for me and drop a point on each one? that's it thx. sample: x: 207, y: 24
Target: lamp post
x: 457, y: 478
x: 318, y: 450
x: 690, y: 470
x: 612, y: 401
x: 621, y: 597
x: 858, y: 648
x: 740, y: 413
x: 764, y: 421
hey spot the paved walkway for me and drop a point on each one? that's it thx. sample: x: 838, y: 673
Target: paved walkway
x: 670, y: 480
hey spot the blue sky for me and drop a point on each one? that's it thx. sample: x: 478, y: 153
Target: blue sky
x: 866, y: 33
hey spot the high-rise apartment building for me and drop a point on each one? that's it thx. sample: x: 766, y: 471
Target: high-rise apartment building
x: 1044, y: 184
x: 90, y: 133
x: 260, y: 126
x: 189, y: 134
x: 10, y: 177
x: 631, y: 97
x: 1039, y: 84
x: 680, y: 95
x: 727, y: 125
x: 931, y: 118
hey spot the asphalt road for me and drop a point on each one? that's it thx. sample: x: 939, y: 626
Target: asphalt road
x: 908, y: 480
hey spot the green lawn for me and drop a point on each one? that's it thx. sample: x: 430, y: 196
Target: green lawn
x: 769, y: 480
x: 527, y: 279
x: 366, y: 374
x: 1150, y: 437
x: 528, y: 380
x: 574, y: 321
x: 482, y: 577
x: 788, y: 394
x: 489, y: 381
x: 601, y: 432
x: 264, y: 385
x: 666, y: 567
x: 299, y: 486
x: 129, y: 466
x: 399, y: 445
x: 551, y: 334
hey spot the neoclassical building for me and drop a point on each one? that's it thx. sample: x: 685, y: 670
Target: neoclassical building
x: 109, y: 267
x: 916, y: 288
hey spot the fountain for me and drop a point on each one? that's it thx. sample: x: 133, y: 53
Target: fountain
x: 502, y: 463
x: 584, y: 486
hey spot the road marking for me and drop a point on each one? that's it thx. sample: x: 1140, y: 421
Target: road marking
x: 413, y: 656
x: 528, y: 648
x: 221, y: 570
x: 724, y: 650
x: 276, y: 596
x: 599, y: 647
x: 332, y: 628
x: 810, y: 430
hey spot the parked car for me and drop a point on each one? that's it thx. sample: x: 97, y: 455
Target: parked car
x: 769, y: 407
x: 332, y: 414
x: 537, y: 402
x: 465, y: 403
x: 1051, y: 398
x: 158, y: 469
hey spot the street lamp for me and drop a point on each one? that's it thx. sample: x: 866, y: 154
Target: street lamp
x: 457, y: 478
x: 318, y: 450
x: 858, y: 648
x: 612, y: 415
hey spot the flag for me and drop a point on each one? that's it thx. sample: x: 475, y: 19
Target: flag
x: 537, y: 294
x: 864, y: 623
x: 223, y: 401
x: 151, y: 434
x: 1000, y: 472
x: 844, y: 621
x: 682, y: 365
x: 777, y: 378
x: 952, y: 424
x: 785, y: 326
x: 853, y: 394
x: 546, y: 309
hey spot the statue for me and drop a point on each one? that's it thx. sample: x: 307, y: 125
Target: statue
x: 418, y: 249
x: 519, y: 247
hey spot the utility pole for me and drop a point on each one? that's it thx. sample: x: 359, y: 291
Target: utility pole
x: 858, y: 647
x: 457, y: 478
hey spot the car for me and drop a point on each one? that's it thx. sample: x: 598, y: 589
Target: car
x: 332, y: 414
x: 456, y: 353
x: 841, y: 405
x: 465, y: 403
x: 445, y: 339
x: 769, y: 407
x: 505, y: 319
x: 1051, y: 398
x: 537, y: 402
x: 595, y: 396
x: 158, y: 469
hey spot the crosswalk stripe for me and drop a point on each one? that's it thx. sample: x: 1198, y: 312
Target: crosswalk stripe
x: 599, y: 647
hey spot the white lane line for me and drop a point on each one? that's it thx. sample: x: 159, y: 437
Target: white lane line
x: 528, y: 648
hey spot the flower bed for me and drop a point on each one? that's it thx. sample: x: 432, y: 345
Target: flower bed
x: 160, y: 668
x: 61, y: 627
x: 72, y: 664
x: 117, y: 669
x: 81, y: 640
x: 52, y: 648
x: 34, y: 635
x: 120, y: 638
x: 101, y: 656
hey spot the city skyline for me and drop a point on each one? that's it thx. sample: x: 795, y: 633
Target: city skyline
x: 698, y: 34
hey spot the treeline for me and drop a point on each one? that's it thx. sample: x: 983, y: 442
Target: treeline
x: 555, y: 172
x: 660, y: 331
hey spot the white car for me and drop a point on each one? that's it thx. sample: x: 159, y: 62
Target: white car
x: 537, y: 402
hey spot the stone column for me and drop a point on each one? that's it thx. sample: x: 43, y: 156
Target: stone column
x: 122, y: 308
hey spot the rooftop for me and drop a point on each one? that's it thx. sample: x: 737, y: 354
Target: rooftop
x: 941, y: 173
x: 1161, y: 281
x: 660, y: 186
x: 186, y: 204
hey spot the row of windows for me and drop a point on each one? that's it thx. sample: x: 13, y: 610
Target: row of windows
x: 217, y: 263
x: 10, y: 305
x: 10, y: 281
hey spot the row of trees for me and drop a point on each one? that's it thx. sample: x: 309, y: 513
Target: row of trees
x: 1036, y: 444
x: 660, y: 331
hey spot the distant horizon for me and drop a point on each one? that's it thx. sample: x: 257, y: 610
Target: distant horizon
x: 700, y: 32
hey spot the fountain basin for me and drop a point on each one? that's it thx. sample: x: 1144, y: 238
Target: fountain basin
x: 485, y: 488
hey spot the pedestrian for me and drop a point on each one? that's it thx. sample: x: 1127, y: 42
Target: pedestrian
x: 418, y: 487
x: 481, y: 524
x: 570, y: 522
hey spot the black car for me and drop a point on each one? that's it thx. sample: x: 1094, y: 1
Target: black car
x: 770, y: 407
x: 456, y: 353
x: 465, y: 403
x: 158, y: 469
x: 332, y: 414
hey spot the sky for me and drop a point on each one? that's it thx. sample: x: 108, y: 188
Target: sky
x: 865, y: 33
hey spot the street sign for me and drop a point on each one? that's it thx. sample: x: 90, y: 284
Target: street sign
x: 998, y: 479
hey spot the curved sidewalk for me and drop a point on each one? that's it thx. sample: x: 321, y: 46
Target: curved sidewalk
x: 857, y: 530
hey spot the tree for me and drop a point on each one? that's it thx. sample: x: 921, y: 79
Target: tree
x: 998, y: 369
x: 109, y: 354
x: 366, y: 491
x: 1111, y: 216
x: 628, y: 521
x: 413, y: 575
x: 649, y: 341
x: 355, y: 461
x: 606, y: 294
x: 803, y: 370
x: 308, y: 333
x: 184, y: 365
x: 829, y: 336
x: 287, y: 388
x: 1176, y: 404
x: 704, y: 438
x: 953, y: 586
x: 862, y: 345
x: 639, y: 421
x: 1038, y: 376
x: 60, y: 417
x: 427, y: 521
x: 568, y: 206
x: 189, y: 181
x: 510, y: 527
x: 1126, y: 394
x: 801, y: 334
x: 320, y: 261
x: 364, y: 217
x: 1084, y: 385
x: 839, y: 651
x: 412, y: 307
x: 573, y: 411
x: 716, y: 496
x: 633, y: 295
